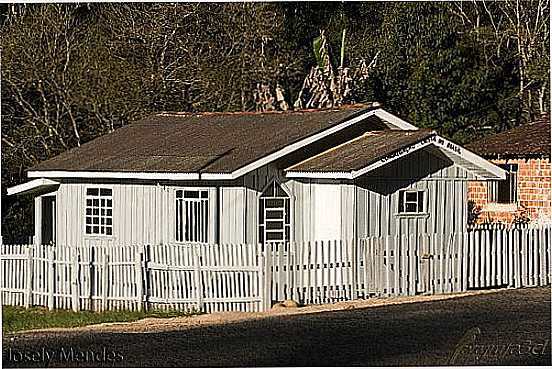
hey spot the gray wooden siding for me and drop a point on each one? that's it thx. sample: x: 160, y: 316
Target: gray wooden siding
x: 444, y: 183
x: 320, y: 209
x: 142, y: 214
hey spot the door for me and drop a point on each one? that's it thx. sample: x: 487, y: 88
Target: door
x: 48, y: 226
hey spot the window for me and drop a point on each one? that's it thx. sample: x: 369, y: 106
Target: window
x: 192, y: 215
x: 274, y: 215
x: 411, y: 202
x: 99, y: 211
x: 504, y: 192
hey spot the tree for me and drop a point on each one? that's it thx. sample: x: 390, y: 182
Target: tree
x: 523, y: 26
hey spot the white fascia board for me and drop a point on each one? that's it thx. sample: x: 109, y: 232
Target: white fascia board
x: 394, y: 120
x: 298, y: 145
x: 322, y: 175
x: 30, y: 186
x: 495, y: 172
x: 114, y: 175
x: 217, y: 176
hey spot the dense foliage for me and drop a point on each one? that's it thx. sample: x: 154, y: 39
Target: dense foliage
x: 71, y: 72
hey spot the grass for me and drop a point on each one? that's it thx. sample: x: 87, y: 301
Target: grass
x: 15, y: 318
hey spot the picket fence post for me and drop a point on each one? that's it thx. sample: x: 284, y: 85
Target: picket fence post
x: 139, y: 278
x: 105, y: 280
x: 75, y: 280
x: 355, y: 267
x: 197, y: 277
x: 261, y: 276
x: 51, y: 272
x: 268, y: 275
x: 29, y: 274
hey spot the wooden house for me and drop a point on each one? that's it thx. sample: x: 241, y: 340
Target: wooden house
x: 526, y: 194
x: 344, y: 173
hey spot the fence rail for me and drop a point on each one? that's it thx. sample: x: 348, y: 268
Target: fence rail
x: 251, y: 277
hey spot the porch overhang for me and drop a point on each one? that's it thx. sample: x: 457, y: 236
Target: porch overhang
x: 33, y: 186
x: 481, y: 168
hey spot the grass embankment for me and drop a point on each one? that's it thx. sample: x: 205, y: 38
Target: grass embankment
x: 15, y: 318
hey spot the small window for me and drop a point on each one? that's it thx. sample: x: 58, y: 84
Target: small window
x: 99, y: 211
x: 504, y: 192
x: 192, y: 215
x: 411, y: 202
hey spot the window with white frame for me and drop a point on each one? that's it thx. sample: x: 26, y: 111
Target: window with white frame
x: 274, y: 215
x: 192, y: 215
x: 99, y: 211
x: 411, y: 202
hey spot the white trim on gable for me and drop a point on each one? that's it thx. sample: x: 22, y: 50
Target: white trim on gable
x: 396, y: 155
x: 394, y: 120
x: 297, y: 145
x: 482, y: 168
x: 465, y: 155
x: 31, y: 186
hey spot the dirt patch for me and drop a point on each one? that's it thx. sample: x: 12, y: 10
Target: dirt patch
x: 187, y: 322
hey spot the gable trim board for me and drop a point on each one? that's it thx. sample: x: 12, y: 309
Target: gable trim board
x: 462, y: 157
x: 393, y: 120
x: 298, y: 145
x: 31, y: 186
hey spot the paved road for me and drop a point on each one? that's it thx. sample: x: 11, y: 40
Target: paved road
x: 507, y: 328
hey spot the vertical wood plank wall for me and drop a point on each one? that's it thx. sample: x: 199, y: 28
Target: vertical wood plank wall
x: 145, y: 213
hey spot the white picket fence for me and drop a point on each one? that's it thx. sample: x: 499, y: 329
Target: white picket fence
x: 181, y: 277
x: 407, y: 265
x: 251, y: 277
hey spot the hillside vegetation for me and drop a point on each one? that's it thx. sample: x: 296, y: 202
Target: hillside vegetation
x: 71, y: 72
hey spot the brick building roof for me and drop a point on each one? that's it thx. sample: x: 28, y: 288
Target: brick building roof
x: 528, y: 140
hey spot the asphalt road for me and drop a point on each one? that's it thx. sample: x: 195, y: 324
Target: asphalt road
x: 511, y: 327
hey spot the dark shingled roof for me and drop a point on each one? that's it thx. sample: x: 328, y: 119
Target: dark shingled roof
x: 362, y: 151
x: 188, y: 143
x: 531, y: 139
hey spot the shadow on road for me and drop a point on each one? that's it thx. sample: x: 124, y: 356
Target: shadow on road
x: 510, y: 327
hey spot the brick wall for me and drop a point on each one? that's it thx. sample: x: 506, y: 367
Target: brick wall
x: 534, y: 194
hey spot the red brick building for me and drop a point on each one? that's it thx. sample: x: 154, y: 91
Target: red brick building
x: 525, y: 195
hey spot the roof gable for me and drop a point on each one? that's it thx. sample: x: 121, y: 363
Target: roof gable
x: 376, y: 149
x: 362, y: 151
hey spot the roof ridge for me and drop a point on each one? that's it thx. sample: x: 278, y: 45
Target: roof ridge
x: 371, y: 105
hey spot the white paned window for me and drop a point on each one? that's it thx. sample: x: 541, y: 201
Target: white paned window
x: 99, y: 211
x: 192, y: 215
x: 274, y: 215
x: 411, y: 202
